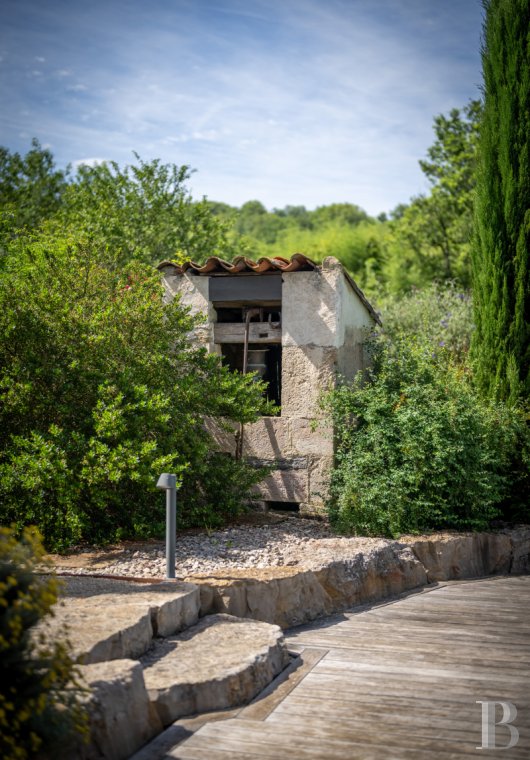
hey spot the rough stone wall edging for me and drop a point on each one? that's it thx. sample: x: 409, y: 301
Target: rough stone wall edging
x: 290, y: 597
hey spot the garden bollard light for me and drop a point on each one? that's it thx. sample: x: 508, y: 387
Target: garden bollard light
x: 168, y: 483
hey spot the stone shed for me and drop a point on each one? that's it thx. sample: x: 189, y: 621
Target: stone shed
x: 299, y: 325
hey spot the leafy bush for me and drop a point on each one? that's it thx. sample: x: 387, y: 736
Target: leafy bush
x: 39, y: 704
x: 219, y: 480
x: 417, y: 449
x: 440, y: 315
x: 143, y: 211
x: 101, y: 389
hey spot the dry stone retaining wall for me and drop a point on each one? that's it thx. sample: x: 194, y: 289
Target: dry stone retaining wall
x: 226, y: 659
x: 289, y: 596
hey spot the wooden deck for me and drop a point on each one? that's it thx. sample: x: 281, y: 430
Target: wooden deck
x: 399, y: 680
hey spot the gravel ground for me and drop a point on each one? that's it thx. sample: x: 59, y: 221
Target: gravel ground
x: 290, y: 541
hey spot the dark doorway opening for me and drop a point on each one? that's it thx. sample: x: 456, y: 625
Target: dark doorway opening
x: 236, y: 313
x: 283, y: 506
x: 232, y: 354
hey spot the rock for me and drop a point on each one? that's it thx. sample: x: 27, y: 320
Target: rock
x: 97, y: 633
x: 120, y: 714
x: 289, y: 596
x: 120, y: 619
x: 221, y: 662
x: 520, y: 539
x: 284, y: 596
x: 383, y: 572
x: 452, y: 557
x: 173, y: 609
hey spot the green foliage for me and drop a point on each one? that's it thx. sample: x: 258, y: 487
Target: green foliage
x: 430, y: 238
x: 425, y: 240
x: 328, y: 230
x: 353, y: 246
x: 100, y: 391
x: 217, y: 478
x: 31, y: 188
x: 440, y: 315
x: 501, y: 252
x: 39, y: 705
x: 142, y: 212
x: 417, y: 449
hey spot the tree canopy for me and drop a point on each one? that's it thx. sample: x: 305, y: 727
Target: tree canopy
x: 501, y: 252
x: 434, y: 231
x: 101, y: 386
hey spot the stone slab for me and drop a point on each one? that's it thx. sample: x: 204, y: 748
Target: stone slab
x: 520, y: 538
x: 108, y: 619
x: 284, y: 485
x: 284, y: 596
x: 319, y: 478
x: 100, y: 630
x: 307, y: 371
x: 267, y: 438
x: 221, y: 662
x: 121, y: 717
x: 455, y: 557
x: 306, y: 440
x: 310, y: 309
x: 384, y: 572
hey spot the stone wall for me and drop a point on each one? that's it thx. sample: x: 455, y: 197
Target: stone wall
x: 193, y: 293
x: 324, y: 324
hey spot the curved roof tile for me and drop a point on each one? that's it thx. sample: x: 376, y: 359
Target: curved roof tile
x: 240, y: 264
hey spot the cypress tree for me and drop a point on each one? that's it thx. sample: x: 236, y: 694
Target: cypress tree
x: 501, y: 249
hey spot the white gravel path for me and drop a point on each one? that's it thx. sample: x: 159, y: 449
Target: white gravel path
x: 290, y: 542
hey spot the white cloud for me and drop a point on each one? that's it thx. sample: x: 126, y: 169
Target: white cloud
x: 208, y: 135
x: 312, y: 102
x: 88, y: 162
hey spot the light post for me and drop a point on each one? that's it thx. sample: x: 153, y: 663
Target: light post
x: 168, y: 483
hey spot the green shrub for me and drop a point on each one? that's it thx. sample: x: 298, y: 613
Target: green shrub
x: 39, y: 705
x: 440, y: 314
x: 417, y: 449
x: 101, y: 390
x: 220, y: 480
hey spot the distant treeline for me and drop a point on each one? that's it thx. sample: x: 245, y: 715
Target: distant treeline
x: 424, y: 240
x: 145, y: 212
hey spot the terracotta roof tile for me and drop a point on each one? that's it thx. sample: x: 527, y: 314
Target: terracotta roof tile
x: 240, y: 264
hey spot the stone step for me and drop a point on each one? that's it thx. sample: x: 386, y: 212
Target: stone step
x: 221, y: 662
x: 106, y: 619
x: 121, y: 718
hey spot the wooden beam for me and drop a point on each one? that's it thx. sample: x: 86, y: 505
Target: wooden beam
x: 234, y: 332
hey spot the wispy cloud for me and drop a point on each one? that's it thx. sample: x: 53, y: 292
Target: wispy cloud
x: 299, y: 102
x: 88, y: 162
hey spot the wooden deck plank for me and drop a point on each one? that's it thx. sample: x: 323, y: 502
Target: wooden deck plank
x: 397, y: 680
x: 437, y: 715
x: 307, y: 740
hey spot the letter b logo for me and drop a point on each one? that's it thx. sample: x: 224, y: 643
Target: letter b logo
x: 509, y: 714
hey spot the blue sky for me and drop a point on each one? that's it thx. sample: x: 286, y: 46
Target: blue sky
x: 289, y: 102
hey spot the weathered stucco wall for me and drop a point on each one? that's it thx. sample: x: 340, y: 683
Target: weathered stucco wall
x: 324, y: 324
x: 193, y: 292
